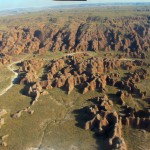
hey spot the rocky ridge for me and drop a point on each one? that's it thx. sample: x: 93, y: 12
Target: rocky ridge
x: 88, y: 35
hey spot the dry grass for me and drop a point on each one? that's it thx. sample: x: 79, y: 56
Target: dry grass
x: 5, y: 77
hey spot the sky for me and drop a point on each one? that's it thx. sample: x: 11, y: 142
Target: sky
x: 11, y: 4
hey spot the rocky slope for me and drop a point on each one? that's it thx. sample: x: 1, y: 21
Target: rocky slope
x: 125, y: 34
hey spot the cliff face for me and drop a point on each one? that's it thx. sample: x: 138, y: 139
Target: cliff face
x: 128, y: 34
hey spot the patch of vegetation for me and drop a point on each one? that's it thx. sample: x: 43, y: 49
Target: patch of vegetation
x: 5, y: 78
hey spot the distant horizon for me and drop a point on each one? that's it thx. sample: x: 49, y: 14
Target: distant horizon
x: 17, y: 4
